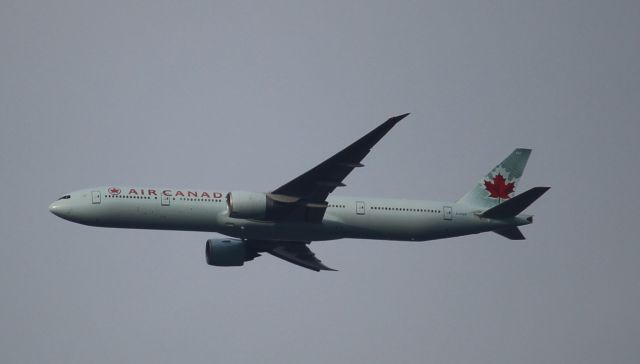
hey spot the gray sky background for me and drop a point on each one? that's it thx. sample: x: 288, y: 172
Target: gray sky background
x: 247, y: 95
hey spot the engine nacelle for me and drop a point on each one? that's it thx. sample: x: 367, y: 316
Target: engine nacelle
x: 247, y: 205
x: 226, y: 252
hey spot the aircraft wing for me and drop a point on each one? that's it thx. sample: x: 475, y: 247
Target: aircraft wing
x: 300, y: 254
x: 314, y: 186
x: 296, y: 252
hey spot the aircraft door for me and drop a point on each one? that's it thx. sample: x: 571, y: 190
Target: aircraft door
x: 447, y: 212
x: 95, y: 197
x: 165, y: 200
x: 360, y: 207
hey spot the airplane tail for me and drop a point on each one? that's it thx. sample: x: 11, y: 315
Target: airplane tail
x: 500, y: 183
x: 513, y: 207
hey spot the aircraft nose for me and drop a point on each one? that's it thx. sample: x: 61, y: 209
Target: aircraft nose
x: 57, y: 209
x: 54, y: 208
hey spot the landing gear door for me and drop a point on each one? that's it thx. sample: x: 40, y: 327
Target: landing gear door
x: 447, y: 212
x: 95, y: 197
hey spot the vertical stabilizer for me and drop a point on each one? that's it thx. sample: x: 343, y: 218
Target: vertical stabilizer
x: 500, y: 183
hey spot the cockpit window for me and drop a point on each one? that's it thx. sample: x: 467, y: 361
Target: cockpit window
x: 65, y: 197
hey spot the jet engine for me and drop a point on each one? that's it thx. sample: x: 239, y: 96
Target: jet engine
x: 247, y: 205
x: 261, y: 206
x: 226, y: 252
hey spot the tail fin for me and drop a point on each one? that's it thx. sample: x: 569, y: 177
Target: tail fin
x: 500, y: 183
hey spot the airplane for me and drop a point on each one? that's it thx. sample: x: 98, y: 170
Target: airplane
x: 286, y: 220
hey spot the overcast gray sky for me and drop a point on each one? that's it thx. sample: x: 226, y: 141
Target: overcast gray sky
x: 247, y: 95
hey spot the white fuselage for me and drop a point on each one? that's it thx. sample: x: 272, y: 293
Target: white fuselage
x: 203, y: 210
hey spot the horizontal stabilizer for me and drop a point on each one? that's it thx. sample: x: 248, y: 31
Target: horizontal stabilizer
x: 511, y: 233
x: 515, y: 205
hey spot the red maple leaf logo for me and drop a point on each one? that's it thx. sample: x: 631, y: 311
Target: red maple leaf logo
x: 114, y: 191
x: 498, y: 188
